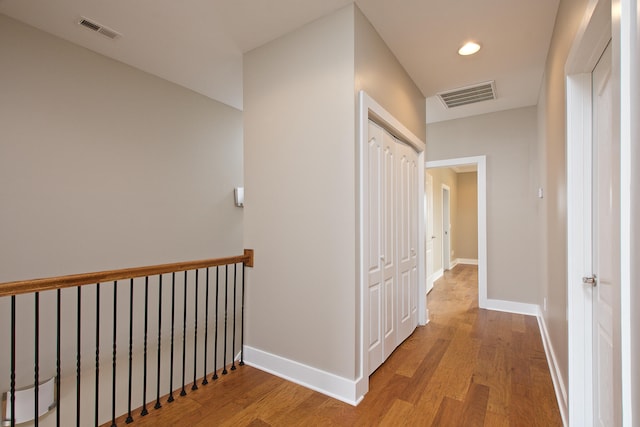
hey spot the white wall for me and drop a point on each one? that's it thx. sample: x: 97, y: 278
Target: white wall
x: 508, y: 139
x: 300, y: 195
x: 103, y: 166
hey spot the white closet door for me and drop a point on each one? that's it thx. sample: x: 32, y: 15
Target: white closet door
x: 391, y: 238
x: 380, y: 243
x: 407, y: 230
x: 373, y: 244
x: 389, y: 224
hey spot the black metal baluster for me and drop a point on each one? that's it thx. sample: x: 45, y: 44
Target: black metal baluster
x: 206, y: 328
x: 195, y: 339
x: 36, y: 370
x: 144, y: 365
x: 97, y: 352
x: 158, y: 405
x: 129, y: 419
x: 173, y: 316
x: 58, y: 369
x: 242, y: 320
x: 79, y: 304
x: 226, y: 292
x: 12, y: 385
x: 233, y: 345
x: 113, y: 378
x: 215, y: 340
x: 184, y: 334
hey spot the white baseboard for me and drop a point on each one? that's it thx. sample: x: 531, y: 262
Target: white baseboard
x: 556, y: 377
x: 558, y: 382
x: 511, y: 307
x: 431, y: 279
x: 343, y: 389
x: 468, y: 261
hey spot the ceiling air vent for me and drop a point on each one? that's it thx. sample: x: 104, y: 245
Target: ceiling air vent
x: 98, y: 28
x: 468, y: 95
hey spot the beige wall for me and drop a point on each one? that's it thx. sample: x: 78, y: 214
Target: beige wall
x: 508, y: 139
x: 466, y: 244
x: 300, y: 163
x: 552, y: 172
x: 379, y: 73
x: 103, y: 166
x: 300, y: 194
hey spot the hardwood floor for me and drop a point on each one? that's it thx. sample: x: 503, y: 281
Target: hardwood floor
x: 467, y: 367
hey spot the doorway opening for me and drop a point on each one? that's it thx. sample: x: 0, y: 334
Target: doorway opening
x: 479, y: 164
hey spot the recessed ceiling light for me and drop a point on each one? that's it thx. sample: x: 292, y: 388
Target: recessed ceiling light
x: 469, y: 49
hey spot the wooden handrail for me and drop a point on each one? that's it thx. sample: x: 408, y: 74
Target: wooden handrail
x: 49, y: 283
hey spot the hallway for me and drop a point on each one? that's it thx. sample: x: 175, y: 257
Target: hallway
x: 467, y: 367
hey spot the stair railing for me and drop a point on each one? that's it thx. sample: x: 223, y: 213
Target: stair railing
x: 68, y: 323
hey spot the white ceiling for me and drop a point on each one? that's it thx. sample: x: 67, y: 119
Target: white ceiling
x: 199, y: 43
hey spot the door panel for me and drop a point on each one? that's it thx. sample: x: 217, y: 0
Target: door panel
x: 373, y: 242
x: 407, y: 239
x: 389, y: 245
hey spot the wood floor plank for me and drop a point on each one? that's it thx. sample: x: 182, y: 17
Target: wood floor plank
x: 448, y: 414
x: 475, y: 406
x: 467, y: 367
x: 496, y: 420
x: 420, y: 381
x: 400, y: 414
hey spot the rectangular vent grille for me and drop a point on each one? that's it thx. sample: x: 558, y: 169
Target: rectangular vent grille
x: 94, y: 26
x: 468, y: 95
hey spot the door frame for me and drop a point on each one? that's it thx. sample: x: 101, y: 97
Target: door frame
x: 481, y: 164
x: 601, y: 23
x: 368, y: 108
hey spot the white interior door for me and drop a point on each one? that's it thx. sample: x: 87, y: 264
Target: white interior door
x: 380, y: 244
x: 389, y: 188
x: 430, y: 237
x: 446, y: 229
x: 391, y: 238
x: 373, y: 243
x: 407, y: 231
x: 606, y: 251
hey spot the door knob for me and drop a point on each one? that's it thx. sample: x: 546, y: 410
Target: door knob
x: 590, y: 280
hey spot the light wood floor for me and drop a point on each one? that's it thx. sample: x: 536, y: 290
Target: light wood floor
x: 467, y: 367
